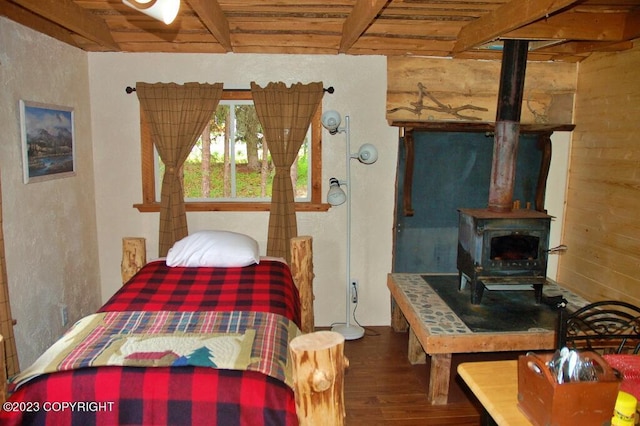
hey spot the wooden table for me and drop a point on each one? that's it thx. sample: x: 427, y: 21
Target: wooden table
x: 435, y: 330
x: 495, y: 384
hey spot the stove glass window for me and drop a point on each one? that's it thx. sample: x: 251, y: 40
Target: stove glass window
x: 514, y: 247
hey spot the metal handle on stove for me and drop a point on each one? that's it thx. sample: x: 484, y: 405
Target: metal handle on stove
x: 557, y: 249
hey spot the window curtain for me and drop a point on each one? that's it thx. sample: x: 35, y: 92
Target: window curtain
x: 285, y: 114
x: 177, y: 114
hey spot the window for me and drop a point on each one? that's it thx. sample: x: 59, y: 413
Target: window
x: 240, y: 176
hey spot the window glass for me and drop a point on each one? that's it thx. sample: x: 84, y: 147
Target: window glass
x: 228, y: 162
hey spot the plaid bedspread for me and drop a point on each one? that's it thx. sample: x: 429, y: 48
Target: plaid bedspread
x: 167, y: 395
x: 256, y: 341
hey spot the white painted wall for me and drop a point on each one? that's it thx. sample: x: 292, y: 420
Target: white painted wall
x: 555, y: 200
x: 49, y: 227
x: 360, y: 92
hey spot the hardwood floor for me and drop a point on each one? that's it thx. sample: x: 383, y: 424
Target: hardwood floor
x: 383, y: 388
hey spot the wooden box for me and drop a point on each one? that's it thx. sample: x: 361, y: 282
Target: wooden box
x: 547, y: 403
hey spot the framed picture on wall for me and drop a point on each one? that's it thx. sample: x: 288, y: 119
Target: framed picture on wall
x: 48, y: 145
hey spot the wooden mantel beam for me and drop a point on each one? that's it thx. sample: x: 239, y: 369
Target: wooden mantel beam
x: 363, y: 13
x: 212, y: 16
x: 69, y: 15
x: 508, y: 17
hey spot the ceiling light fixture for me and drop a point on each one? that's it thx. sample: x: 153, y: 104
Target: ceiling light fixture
x: 162, y: 10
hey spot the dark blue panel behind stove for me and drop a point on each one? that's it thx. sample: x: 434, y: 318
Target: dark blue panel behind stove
x: 452, y: 170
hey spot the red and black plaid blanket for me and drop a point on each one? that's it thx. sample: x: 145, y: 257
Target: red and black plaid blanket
x: 265, y: 287
x: 172, y: 395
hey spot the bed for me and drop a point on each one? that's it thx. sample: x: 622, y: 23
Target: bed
x: 248, y: 314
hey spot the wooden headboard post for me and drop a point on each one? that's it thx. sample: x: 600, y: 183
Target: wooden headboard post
x: 302, y: 271
x: 134, y: 256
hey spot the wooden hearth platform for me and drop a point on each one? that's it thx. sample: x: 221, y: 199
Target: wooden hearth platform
x: 436, y: 332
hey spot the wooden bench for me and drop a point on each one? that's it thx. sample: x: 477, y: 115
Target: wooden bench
x: 435, y: 332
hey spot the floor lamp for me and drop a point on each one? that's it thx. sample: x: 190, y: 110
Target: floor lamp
x: 367, y: 154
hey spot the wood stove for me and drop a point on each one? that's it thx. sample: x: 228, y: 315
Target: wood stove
x: 502, y: 248
x: 500, y: 244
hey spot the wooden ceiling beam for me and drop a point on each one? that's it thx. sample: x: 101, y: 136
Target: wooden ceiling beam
x: 362, y: 15
x: 212, y: 16
x: 35, y: 22
x: 508, y: 17
x: 632, y: 25
x: 574, y: 26
x: 69, y: 15
x: 585, y: 47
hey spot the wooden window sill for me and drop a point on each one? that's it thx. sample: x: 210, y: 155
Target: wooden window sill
x: 233, y: 207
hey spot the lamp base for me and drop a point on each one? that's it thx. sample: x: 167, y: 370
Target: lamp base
x: 350, y: 332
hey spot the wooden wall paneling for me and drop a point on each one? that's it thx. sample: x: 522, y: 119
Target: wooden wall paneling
x: 591, y: 288
x: 593, y: 248
x: 6, y: 319
x: 602, y: 225
x: 443, y: 89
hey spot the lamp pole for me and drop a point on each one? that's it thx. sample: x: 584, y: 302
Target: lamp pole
x: 348, y: 330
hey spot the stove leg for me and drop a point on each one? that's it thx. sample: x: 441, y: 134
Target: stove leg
x: 537, y: 290
x: 462, y: 281
x: 477, y: 289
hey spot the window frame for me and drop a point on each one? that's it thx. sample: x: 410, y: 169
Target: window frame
x: 147, y: 152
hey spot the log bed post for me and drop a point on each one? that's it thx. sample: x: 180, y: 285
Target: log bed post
x: 134, y: 256
x: 318, y: 378
x: 302, y: 271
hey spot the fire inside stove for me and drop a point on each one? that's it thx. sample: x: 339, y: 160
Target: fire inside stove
x: 514, y: 247
x: 507, y: 248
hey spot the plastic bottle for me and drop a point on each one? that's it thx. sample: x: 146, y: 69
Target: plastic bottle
x: 624, y: 413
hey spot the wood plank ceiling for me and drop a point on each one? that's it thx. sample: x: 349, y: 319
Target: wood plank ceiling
x: 566, y: 30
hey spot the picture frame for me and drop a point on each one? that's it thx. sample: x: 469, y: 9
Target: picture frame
x: 48, y: 141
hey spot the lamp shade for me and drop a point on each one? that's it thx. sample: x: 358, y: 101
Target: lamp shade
x: 162, y: 10
x: 367, y: 154
x: 331, y: 121
x: 336, y: 195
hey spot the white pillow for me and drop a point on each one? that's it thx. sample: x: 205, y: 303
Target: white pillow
x: 214, y: 248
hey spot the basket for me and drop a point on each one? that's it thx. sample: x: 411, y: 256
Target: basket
x: 546, y: 403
